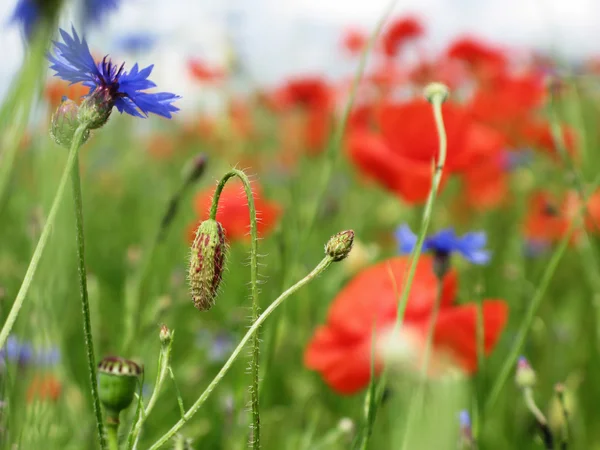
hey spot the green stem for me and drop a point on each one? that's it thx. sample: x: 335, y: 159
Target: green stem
x: 85, y: 303
x: 320, y: 268
x: 509, y: 362
x: 436, y: 101
x: 253, y: 286
x: 164, y: 360
x: 43, y: 241
x: 112, y: 431
x: 416, y: 403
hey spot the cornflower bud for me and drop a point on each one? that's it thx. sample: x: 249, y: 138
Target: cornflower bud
x: 207, y: 261
x: 525, y: 376
x: 96, y: 108
x: 65, y: 122
x: 340, y: 245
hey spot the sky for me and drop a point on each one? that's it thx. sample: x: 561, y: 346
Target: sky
x: 279, y: 38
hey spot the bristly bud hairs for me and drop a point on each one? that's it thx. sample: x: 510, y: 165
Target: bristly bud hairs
x: 340, y: 245
x: 207, y: 261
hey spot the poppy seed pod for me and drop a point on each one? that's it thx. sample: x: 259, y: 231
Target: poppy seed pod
x: 117, y: 382
x: 340, y: 244
x: 65, y: 122
x: 207, y: 261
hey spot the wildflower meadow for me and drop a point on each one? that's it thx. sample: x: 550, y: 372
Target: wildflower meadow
x: 405, y: 257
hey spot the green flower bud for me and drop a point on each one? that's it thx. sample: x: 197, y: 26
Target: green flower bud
x: 65, y: 122
x: 525, y: 376
x: 340, y: 244
x: 165, y: 335
x: 436, y: 92
x: 207, y: 261
x: 117, y: 383
x: 96, y: 108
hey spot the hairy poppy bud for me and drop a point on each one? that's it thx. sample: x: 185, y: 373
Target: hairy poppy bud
x: 96, y: 108
x: 65, y: 122
x: 207, y: 262
x: 340, y: 244
x: 117, y: 382
x: 436, y: 92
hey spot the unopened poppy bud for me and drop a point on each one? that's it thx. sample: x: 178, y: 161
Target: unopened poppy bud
x: 165, y: 335
x: 340, y: 244
x: 525, y: 376
x: 436, y: 92
x: 207, y: 261
x: 65, y: 122
x: 117, y: 383
x: 96, y: 108
x: 194, y: 169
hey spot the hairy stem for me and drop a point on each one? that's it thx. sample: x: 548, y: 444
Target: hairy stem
x: 253, y: 286
x: 320, y: 268
x: 43, y: 240
x: 164, y: 360
x: 85, y: 303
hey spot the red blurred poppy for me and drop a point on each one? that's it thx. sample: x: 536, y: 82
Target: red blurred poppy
x: 204, y: 73
x: 341, y: 349
x: 399, y: 33
x: 449, y: 72
x: 539, y: 135
x: 354, y: 41
x: 485, y: 61
x: 401, y: 156
x: 233, y: 211
x: 44, y: 387
x: 161, y: 146
x: 508, y: 104
x: 57, y: 89
x: 310, y: 98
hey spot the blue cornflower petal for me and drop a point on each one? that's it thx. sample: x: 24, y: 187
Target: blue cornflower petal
x: 93, y: 10
x: 444, y: 242
x: 26, y: 13
x: 464, y: 419
x: 406, y: 239
x: 73, y: 62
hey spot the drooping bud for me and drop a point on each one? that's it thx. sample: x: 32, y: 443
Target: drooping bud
x: 207, y: 261
x: 96, y: 108
x: 65, y: 122
x: 436, y: 92
x: 117, y: 383
x: 525, y: 376
x: 194, y: 169
x: 340, y: 245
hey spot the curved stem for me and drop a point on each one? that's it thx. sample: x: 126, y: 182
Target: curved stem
x: 43, y: 241
x: 251, y: 332
x: 85, y: 303
x: 254, y: 289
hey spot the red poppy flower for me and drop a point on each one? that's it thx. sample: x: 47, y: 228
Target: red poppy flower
x: 354, y: 41
x: 485, y: 61
x: 202, y: 72
x: 44, y: 387
x: 233, y: 211
x: 341, y: 349
x: 508, y: 103
x: 401, y: 157
x: 399, y: 32
x: 539, y: 136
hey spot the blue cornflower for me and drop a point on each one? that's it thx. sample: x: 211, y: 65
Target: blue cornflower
x: 445, y: 242
x: 29, y: 12
x: 110, y: 85
x: 136, y: 42
x: 16, y: 351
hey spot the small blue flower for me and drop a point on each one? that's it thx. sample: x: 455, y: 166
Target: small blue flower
x: 464, y: 419
x: 73, y: 62
x: 136, y: 42
x: 17, y: 352
x: 445, y: 242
